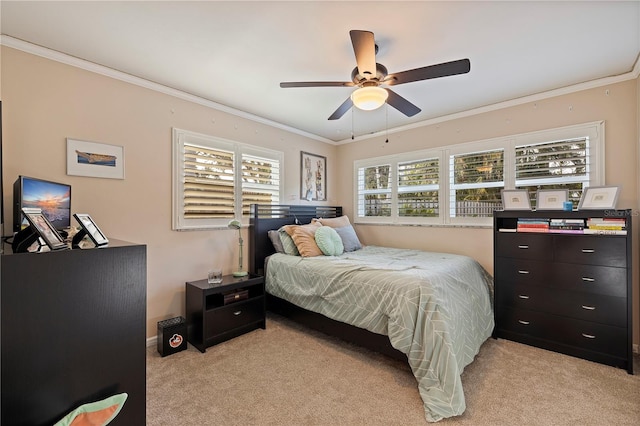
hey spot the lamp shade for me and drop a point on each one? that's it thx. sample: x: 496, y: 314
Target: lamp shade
x: 369, y: 98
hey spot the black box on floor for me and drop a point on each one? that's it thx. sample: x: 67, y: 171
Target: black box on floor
x: 172, y: 336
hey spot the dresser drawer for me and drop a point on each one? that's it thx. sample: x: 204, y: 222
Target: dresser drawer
x: 604, y: 280
x: 567, y: 304
x: 524, y: 246
x: 591, y: 250
x: 532, y: 272
x: 592, y: 307
x: 225, y: 319
x: 582, y: 334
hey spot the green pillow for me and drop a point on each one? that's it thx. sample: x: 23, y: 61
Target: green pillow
x: 329, y: 241
x: 95, y: 413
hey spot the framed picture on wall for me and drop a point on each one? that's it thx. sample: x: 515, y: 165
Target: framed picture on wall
x: 313, y: 177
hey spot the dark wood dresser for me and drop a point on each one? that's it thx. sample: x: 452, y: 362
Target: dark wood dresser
x: 565, y: 292
x: 73, y: 332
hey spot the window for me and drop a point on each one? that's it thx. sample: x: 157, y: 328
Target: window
x: 560, y: 164
x: 401, y: 186
x: 476, y: 180
x: 468, y: 178
x: 216, y: 180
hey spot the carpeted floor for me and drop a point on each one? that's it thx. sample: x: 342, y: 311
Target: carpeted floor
x: 289, y: 375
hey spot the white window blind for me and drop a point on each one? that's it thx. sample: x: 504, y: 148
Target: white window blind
x: 418, y: 185
x: 563, y: 164
x: 260, y: 181
x: 476, y: 179
x: 374, y: 190
x: 215, y: 180
x: 208, y: 183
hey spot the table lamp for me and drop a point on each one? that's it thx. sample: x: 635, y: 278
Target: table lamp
x: 235, y: 224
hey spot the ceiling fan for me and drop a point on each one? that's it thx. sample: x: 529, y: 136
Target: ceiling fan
x: 369, y: 76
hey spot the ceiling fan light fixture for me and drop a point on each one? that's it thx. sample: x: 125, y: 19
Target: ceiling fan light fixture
x: 369, y: 98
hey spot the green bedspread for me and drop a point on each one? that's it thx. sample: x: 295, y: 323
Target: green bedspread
x: 435, y: 307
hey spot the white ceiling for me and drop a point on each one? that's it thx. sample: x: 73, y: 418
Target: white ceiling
x: 236, y: 53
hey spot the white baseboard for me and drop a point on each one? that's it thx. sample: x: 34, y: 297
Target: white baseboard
x: 636, y: 349
x: 153, y: 341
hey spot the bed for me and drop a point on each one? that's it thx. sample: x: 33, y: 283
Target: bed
x: 432, y: 310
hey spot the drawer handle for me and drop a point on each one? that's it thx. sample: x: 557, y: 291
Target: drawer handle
x: 588, y: 336
x: 523, y: 272
x: 523, y: 247
x: 589, y: 280
x: 236, y: 313
x: 589, y: 308
x: 523, y: 296
x: 588, y: 251
x: 523, y: 322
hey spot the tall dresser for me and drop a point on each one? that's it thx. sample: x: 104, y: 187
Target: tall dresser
x: 563, y: 290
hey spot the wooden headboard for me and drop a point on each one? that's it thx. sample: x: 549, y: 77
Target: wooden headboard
x: 267, y: 217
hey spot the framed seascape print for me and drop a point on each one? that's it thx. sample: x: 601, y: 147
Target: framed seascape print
x: 551, y: 199
x: 313, y: 177
x: 515, y: 199
x: 94, y: 159
x: 89, y: 228
x: 44, y: 228
x: 599, y: 197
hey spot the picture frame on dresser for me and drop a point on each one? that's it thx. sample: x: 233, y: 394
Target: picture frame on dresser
x: 599, y: 197
x: 515, y: 199
x: 44, y: 228
x: 551, y: 199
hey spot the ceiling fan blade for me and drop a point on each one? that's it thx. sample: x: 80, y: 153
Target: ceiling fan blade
x: 342, y: 109
x: 364, y: 46
x: 401, y: 104
x: 287, y: 84
x: 445, y: 69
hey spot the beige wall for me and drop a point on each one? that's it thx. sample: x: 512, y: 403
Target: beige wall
x: 44, y: 102
x: 619, y: 108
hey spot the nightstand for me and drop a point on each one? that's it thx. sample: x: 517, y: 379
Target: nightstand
x: 222, y: 311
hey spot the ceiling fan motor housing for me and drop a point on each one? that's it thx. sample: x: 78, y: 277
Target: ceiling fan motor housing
x: 360, y: 80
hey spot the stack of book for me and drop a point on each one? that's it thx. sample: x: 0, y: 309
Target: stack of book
x: 606, y: 226
x: 567, y: 226
x: 532, y: 225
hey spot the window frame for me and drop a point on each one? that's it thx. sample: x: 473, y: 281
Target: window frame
x: 180, y: 137
x: 594, y: 131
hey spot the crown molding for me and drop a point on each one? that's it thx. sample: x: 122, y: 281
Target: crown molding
x: 634, y: 73
x: 128, y: 78
x: 73, y: 61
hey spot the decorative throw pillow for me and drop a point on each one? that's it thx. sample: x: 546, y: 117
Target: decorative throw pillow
x: 288, y: 245
x: 335, y: 222
x: 274, y: 236
x: 97, y: 413
x: 349, y: 238
x: 304, y: 237
x: 329, y: 241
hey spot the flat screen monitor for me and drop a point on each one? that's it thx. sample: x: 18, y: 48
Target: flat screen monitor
x: 52, y: 198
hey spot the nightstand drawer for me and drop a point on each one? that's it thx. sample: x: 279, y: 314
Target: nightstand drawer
x: 233, y: 316
x: 592, y: 250
x: 524, y: 246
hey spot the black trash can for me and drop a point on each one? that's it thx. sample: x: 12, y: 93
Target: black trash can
x: 172, y: 336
